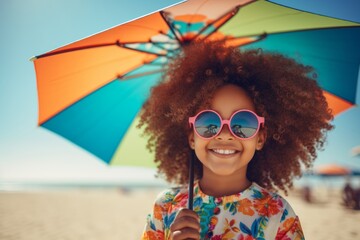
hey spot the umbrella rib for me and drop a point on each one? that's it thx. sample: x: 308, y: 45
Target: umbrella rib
x: 74, y: 49
x: 156, y: 64
x: 260, y: 37
x: 150, y: 41
x: 309, y: 12
x: 125, y: 77
x: 232, y: 12
x: 197, y: 10
x: 264, y: 19
x: 289, y: 31
x: 162, y: 13
x: 159, y: 45
x: 165, y: 34
x: 313, y: 29
x: 142, y: 51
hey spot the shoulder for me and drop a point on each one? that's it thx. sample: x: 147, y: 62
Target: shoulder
x: 272, y: 199
x: 280, y: 216
x: 172, y: 196
x: 260, y: 192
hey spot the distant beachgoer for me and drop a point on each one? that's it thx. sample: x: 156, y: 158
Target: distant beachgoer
x: 349, y: 195
x: 236, y: 175
x: 307, y: 194
x: 357, y: 199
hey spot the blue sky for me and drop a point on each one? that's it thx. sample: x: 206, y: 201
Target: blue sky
x: 32, y: 27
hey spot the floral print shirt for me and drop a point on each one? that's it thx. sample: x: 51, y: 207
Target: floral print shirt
x: 254, y: 213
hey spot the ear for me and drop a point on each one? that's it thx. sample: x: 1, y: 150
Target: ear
x: 191, y: 140
x: 261, y: 139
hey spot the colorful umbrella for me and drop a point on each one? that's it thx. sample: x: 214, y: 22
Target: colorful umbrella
x: 91, y: 91
x: 332, y: 170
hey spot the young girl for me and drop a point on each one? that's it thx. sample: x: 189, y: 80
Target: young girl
x: 252, y: 119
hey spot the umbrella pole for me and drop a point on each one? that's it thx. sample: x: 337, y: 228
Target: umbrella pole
x: 191, y: 181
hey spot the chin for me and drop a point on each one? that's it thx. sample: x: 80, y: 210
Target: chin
x: 223, y: 171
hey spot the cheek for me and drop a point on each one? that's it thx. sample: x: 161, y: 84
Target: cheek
x: 250, y: 147
x: 199, y: 143
x: 200, y: 147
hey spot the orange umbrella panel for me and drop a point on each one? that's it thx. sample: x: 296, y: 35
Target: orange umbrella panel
x: 332, y: 170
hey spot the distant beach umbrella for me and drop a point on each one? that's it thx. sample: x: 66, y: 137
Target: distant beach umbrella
x: 332, y: 170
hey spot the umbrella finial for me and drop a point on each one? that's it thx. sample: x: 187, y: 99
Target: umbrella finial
x: 32, y: 58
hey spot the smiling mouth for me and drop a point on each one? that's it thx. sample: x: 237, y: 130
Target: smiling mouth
x: 224, y: 151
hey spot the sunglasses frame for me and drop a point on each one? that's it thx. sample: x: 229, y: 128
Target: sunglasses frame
x: 261, y: 122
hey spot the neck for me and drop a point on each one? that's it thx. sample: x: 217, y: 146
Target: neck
x: 219, y: 186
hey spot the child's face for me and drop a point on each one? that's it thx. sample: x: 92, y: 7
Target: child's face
x: 227, y: 100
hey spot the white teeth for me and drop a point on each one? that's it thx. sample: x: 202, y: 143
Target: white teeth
x: 224, y: 151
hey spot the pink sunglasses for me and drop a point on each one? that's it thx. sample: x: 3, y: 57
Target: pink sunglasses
x: 243, y: 124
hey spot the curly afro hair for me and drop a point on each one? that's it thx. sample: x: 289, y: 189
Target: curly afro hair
x: 283, y: 91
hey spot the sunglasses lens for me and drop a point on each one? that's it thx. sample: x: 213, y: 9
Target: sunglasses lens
x: 244, y: 124
x: 207, y: 124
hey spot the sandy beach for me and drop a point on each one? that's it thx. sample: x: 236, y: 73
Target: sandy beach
x: 110, y: 214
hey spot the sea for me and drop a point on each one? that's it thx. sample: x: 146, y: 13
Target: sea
x: 312, y: 181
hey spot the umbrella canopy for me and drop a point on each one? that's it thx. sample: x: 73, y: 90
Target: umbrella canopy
x: 332, y: 170
x: 91, y: 91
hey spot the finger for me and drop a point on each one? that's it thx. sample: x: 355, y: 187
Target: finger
x: 185, y: 222
x: 185, y: 218
x: 187, y: 212
x: 186, y: 233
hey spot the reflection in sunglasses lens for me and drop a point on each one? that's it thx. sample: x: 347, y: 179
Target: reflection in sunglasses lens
x: 244, y: 124
x: 207, y: 124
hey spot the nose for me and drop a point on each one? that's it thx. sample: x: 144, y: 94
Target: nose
x: 225, y: 133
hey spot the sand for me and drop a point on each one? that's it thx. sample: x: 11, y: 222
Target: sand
x: 114, y: 214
